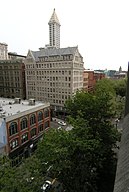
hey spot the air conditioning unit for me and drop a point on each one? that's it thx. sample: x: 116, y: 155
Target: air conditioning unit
x: 17, y: 100
x: 31, y: 101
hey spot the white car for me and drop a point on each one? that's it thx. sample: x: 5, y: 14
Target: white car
x: 46, y: 185
x: 61, y: 123
x: 59, y: 128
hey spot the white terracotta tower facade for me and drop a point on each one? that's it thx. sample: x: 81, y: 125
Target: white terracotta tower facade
x: 54, y: 31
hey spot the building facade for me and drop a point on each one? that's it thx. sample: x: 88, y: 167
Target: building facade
x: 12, y: 78
x: 22, y: 124
x: 54, y: 31
x: 93, y: 77
x: 3, y: 51
x: 53, y: 75
x: 85, y: 80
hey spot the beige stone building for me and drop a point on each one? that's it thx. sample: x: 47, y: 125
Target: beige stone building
x: 3, y: 51
x: 53, y: 75
x: 85, y: 80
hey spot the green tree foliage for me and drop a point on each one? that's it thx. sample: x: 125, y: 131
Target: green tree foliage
x: 96, y: 110
x: 117, y: 91
x: 82, y: 159
x: 25, y: 178
x: 6, y: 175
x: 120, y: 87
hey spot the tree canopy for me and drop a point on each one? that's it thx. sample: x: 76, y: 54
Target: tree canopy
x: 83, y: 159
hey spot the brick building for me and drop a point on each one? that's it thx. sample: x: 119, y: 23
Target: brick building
x: 22, y: 124
x: 93, y: 77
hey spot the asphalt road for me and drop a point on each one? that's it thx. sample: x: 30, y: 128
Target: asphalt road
x: 55, y: 125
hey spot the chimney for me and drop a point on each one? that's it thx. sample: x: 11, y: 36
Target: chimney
x: 31, y: 101
x: 17, y: 100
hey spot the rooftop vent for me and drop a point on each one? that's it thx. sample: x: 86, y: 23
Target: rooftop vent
x: 31, y: 101
x: 17, y: 100
x: 1, y: 108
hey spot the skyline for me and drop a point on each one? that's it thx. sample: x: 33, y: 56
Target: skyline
x: 99, y: 29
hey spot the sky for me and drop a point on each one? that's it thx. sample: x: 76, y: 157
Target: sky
x: 100, y: 28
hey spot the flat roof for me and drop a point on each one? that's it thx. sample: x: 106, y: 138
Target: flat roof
x: 10, y: 107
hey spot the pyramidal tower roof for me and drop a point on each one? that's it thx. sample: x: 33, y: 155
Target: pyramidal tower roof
x: 54, y: 18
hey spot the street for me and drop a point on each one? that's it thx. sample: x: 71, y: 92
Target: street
x: 54, y: 124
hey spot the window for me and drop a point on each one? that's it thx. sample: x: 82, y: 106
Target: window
x: 13, y: 128
x: 46, y: 113
x: 13, y: 144
x: 23, y: 123
x: 40, y: 128
x: 46, y: 124
x: 24, y: 137
x: 33, y: 132
x: 32, y: 119
x: 40, y: 116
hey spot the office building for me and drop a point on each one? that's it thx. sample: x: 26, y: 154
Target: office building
x: 12, y: 78
x: 3, y: 51
x: 54, y: 74
x: 85, y: 80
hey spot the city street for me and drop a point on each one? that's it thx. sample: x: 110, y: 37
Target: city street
x: 54, y: 124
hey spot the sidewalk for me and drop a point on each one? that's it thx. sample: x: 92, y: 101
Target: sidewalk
x: 57, y: 119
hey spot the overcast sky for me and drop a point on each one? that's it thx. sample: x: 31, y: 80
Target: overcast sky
x: 100, y: 28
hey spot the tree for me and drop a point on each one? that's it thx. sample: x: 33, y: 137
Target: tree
x: 96, y: 111
x: 25, y: 178
x: 120, y: 87
x: 82, y: 159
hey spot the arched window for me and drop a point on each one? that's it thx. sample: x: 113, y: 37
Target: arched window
x: 32, y: 119
x: 33, y: 132
x: 23, y: 123
x: 40, y: 116
x: 13, y: 144
x: 13, y: 128
x: 46, y: 124
x: 46, y: 113
x: 40, y: 128
x: 24, y: 137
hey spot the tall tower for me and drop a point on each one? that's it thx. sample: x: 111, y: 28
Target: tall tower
x: 54, y: 31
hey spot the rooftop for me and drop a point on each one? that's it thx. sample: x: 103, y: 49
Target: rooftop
x: 46, y: 52
x: 11, y: 107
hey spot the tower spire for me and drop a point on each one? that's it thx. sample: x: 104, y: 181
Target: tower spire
x: 54, y: 18
x: 54, y: 31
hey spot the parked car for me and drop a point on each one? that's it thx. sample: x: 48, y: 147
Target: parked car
x: 61, y: 123
x: 47, y: 185
x: 59, y: 128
